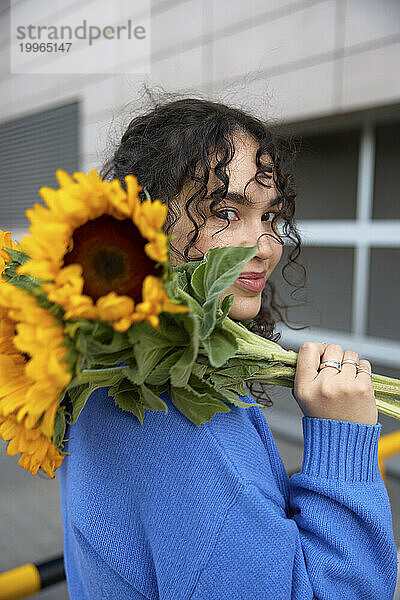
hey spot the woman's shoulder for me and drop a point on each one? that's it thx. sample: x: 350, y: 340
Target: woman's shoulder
x: 145, y: 485
x: 166, y: 479
x: 237, y: 443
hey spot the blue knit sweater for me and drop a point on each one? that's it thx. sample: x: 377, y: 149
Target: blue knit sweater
x: 171, y: 511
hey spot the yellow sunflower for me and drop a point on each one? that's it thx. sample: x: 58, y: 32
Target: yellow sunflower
x: 100, y: 249
x: 5, y: 242
x: 37, y: 450
x: 32, y: 375
x: 37, y: 336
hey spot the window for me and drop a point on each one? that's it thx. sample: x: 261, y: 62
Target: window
x: 326, y: 301
x: 384, y: 294
x: 386, y: 181
x: 348, y: 215
x: 347, y: 206
x: 326, y: 176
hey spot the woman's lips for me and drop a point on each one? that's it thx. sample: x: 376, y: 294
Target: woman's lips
x: 255, y: 284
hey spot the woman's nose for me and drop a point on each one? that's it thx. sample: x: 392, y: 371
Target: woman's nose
x: 267, y: 244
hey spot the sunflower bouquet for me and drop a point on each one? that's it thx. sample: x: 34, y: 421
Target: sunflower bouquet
x: 88, y: 299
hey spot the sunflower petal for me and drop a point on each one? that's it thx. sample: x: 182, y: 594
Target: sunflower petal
x: 64, y: 179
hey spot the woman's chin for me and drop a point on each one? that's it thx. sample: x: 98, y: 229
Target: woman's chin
x: 245, y: 308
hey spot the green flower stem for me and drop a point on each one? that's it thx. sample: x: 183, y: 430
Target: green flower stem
x: 257, y: 346
x: 386, y: 389
x: 97, y: 375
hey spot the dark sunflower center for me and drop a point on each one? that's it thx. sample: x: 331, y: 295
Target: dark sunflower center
x: 112, y: 257
x: 109, y: 264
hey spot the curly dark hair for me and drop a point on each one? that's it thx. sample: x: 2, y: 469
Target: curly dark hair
x: 164, y: 148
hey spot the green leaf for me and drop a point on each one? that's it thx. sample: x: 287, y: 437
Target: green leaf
x: 194, y: 306
x: 79, y: 396
x: 59, y: 427
x: 151, y: 400
x: 179, y: 287
x: 125, y: 356
x: 142, y: 331
x: 205, y: 386
x: 103, y: 344
x: 133, y: 374
x: 103, y: 332
x: 150, y: 345
x: 70, y: 356
x: 232, y: 374
x: 98, y: 343
x: 17, y: 256
x: 219, y: 272
x: 26, y: 282
x: 197, y: 408
x: 184, y: 274
x: 201, y: 386
x: 197, y: 282
x: 127, y: 397
x: 232, y: 395
x: 172, y: 326
x: 147, y: 358
x: 106, y: 346
x: 224, y: 266
x: 227, y: 394
x: 181, y: 371
x: 178, y: 280
x: 79, y: 331
x: 159, y: 389
x: 161, y: 372
x: 238, y: 387
x: 221, y: 345
x: 226, y: 306
x: 199, y: 369
x: 71, y: 327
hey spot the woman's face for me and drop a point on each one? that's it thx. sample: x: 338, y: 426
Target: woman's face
x: 246, y: 225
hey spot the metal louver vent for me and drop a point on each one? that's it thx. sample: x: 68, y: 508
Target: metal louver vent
x: 31, y: 149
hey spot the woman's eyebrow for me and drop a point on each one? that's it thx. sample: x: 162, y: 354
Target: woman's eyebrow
x: 238, y: 198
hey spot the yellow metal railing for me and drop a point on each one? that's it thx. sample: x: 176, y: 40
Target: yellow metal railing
x: 20, y: 582
x: 29, y: 579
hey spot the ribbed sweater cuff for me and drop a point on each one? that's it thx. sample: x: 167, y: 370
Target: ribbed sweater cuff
x: 340, y: 449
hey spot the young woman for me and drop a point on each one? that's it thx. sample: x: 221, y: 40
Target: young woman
x: 167, y: 510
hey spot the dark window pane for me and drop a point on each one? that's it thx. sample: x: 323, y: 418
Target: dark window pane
x: 384, y: 294
x: 32, y: 148
x: 326, y: 300
x: 326, y: 176
x: 387, y: 183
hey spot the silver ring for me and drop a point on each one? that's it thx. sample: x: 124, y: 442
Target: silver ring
x: 350, y: 362
x: 361, y: 370
x: 330, y: 363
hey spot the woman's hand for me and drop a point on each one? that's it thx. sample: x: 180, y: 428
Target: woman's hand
x: 330, y: 394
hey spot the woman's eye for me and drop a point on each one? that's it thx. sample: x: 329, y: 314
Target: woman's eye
x: 222, y: 214
x: 271, y: 214
x: 226, y: 214
x: 278, y: 222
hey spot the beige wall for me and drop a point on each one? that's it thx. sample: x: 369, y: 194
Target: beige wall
x: 286, y: 59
